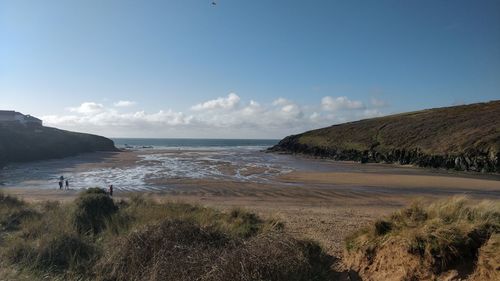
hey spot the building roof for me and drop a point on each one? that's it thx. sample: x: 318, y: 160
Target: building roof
x: 12, y: 114
x: 8, y: 112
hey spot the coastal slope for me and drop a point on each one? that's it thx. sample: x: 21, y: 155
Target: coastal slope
x: 19, y: 143
x: 465, y: 137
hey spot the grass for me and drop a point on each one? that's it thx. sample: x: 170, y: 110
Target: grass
x: 469, y: 131
x: 184, y: 250
x: 97, y: 238
x: 13, y: 212
x: 442, y: 236
x: 92, y: 210
x: 472, y: 126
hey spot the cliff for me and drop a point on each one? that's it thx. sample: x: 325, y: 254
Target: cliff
x: 463, y: 137
x: 20, y: 143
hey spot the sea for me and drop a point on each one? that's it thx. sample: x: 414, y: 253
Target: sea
x: 197, y: 144
x: 157, y: 164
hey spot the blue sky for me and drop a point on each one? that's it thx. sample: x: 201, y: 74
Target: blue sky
x: 241, y: 68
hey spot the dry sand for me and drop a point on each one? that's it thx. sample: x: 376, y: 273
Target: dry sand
x: 394, y: 180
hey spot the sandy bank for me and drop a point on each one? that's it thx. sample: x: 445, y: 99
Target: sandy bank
x: 393, y: 180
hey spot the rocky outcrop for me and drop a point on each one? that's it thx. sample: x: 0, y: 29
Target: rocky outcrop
x: 477, y: 161
x: 20, y: 143
x: 439, y: 138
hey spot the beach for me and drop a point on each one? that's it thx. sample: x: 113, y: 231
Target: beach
x: 315, y: 199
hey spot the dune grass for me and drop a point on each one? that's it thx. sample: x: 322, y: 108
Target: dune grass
x: 442, y: 236
x: 13, y: 212
x: 98, y: 238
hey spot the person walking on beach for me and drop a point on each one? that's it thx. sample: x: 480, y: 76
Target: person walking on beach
x: 110, y: 190
x: 61, y: 180
x: 67, y: 185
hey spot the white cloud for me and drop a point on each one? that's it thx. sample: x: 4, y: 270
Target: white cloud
x: 340, y: 103
x: 229, y: 102
x: 287, y: 107
x: 124, y: 103
x: 91, y: 114
x: 314, y: 116
x: 281, y: 101
x: 252, y: 108
x: 222, y: 117
x: 87, y: 108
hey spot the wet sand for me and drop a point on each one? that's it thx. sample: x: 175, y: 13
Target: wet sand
x: 313, y: 202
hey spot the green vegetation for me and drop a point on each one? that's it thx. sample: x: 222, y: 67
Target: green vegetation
x: 446, y: 235
x: 96, y: 238
x: 92, y: 210
x: 461, y: 137
x: 20, y: 143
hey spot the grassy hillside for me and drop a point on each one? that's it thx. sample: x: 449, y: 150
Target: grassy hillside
x: 20, y: 143
x: 462, y: 137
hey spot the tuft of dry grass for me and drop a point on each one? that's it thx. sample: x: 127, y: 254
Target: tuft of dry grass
x: 12, y: 212
x: 168, y: 250
x: 184, y: 250
x: 443, y: 236
x: 273, y: 256
x: 488, y: 263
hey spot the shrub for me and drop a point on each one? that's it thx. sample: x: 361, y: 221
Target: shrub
x: 92, y: 209
x: 94, y: 190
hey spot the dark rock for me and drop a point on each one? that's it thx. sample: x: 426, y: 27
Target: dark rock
x: 474, y: 161
x: 21, y: 144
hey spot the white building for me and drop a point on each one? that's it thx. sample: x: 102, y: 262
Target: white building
x: 10, y: 116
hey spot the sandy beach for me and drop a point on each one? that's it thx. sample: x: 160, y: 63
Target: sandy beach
x: 312, y: 201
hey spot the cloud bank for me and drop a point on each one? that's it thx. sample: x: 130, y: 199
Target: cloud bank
x: 229, y: 102
x: 222, y: 117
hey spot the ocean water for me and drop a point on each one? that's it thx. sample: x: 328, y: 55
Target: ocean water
x: 180, y: 143
x: 159, y: 163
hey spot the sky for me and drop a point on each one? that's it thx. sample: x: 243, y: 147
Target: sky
x: 241, y: 68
